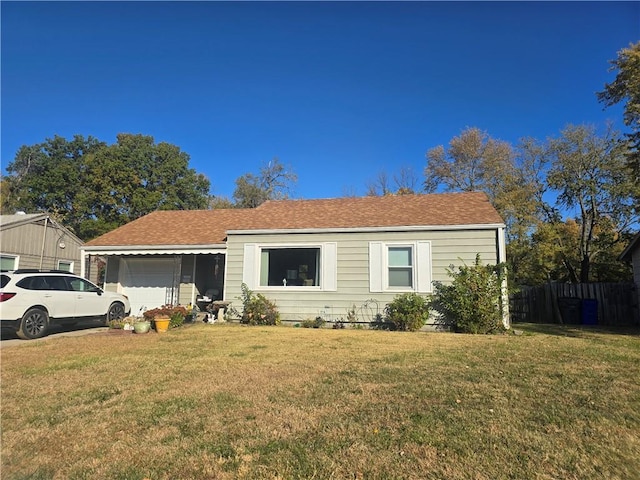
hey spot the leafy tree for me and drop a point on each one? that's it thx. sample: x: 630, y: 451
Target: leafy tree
x: 591, y: 176
x: 273, y: 183
x: 93, y: 187
x: 533, y: 187
x: 626, y: 88
x: 474, y: 161
x: 50, y: 176
x: 220, y: 203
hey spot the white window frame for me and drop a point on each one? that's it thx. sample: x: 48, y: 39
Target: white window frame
x: 412, y: 265
x: 420, y: 263
x: 328, y: 267
x: 70, y: 262
x: 16, y: 260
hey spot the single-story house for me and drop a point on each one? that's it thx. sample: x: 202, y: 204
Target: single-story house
x: 38, y: 241
x: 313, y: 258
x: 632, y: 254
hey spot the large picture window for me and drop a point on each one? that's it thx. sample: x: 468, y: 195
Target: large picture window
x: 290, y: 267
x: 282, y: 266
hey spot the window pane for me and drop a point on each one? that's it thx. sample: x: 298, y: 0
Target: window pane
x: 399, y: 256
x: 289, y: 266
x: 7, y: 263
x: 400, y: 277
x: 65, y: 266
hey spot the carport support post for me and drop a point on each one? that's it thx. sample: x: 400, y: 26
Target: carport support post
x: 83, y: 263
x: 193, y: 281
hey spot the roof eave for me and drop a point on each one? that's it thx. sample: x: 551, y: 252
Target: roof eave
x: 626, y: 253
x: 393, y: 228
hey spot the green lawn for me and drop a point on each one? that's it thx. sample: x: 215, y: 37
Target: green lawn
x: 229, y: 401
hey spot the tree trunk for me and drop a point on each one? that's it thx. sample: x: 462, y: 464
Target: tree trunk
x: 584, y: 269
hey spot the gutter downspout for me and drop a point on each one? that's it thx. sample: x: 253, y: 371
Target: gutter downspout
x: 44, y: 236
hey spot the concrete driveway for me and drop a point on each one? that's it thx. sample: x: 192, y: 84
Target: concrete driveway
x: 9, y: 339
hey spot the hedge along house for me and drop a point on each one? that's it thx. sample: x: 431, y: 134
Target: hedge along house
x: 38, y: 241
x: 312, y: 257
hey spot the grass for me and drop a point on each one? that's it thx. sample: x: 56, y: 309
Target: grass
x: 228, y: 401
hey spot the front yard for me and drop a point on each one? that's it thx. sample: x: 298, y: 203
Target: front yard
x: 229, y: 401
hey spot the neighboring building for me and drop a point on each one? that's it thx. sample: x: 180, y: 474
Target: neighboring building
x: 312, y: 257
x: 37, y: 241
x: 632, y: 254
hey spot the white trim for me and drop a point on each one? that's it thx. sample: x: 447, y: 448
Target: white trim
x: 394, y: 228
x: 376, y: 270
x: 502, y: 246
x: 156, y: 250
x: 502, y: 258
x: 251, y: 266
x: 423, y: 267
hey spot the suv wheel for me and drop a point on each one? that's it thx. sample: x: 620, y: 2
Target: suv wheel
x: 34, y: 324
x: 116, y: 312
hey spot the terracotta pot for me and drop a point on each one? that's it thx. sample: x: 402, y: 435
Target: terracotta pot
x: 161, y: 324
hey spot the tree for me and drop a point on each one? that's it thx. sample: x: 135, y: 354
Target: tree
x: 402, y: 183
x: 273, y: 183
x: 626, y: 88
x: 49, y: 177
x: 474, y: 161
x: 93, y: 188
x: 591, y: 176
x: 568, y: 203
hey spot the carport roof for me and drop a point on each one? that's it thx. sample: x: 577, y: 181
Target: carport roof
x: 210, y: 227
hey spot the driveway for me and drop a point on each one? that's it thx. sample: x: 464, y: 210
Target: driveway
x: 9, y: 339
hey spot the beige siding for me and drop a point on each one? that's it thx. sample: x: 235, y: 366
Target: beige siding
x: 26, y: 241
x: 447, y: 248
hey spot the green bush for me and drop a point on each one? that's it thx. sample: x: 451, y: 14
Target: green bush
x: 258, y: 309
x: 317, y: 323
x: 407, y: 312
x: 472, y: 303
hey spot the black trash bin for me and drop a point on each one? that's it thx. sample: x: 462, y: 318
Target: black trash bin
x: 570, y: 310
x: 589, y: 311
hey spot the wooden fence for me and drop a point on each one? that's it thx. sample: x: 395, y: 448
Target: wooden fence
x: 612, y: 304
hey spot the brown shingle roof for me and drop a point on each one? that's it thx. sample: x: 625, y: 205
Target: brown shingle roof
x: 207, y: 227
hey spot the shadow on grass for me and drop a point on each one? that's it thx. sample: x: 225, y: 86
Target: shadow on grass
x: 573, y: 330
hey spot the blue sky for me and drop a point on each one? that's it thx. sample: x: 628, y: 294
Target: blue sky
x: 340, y: 91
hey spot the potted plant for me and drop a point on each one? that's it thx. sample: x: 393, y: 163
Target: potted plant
x: 165, y: 317
x: 140, y: 325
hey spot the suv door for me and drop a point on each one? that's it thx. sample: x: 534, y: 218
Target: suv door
x: 58, y: 298
x: 89, y: 301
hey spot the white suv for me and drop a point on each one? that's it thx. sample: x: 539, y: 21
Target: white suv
x: 31, y: 300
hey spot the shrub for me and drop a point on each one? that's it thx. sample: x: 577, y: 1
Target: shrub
x: 317, y: 323
x: 258, y: 309
x: 407, y: 312
x: 176, y: 314
x: 473, y: 301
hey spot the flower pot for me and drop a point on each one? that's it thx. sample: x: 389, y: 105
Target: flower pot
x: 161, y: 324
x: 141, y: 327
